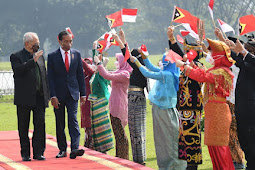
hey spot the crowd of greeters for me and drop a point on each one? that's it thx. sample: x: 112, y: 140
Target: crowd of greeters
x: 182, y: 91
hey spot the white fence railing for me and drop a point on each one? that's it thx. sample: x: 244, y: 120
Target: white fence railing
x: 6, y: 83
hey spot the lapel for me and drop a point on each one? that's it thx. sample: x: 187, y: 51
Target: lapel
x: 72, y: 58
x: 60, y: 59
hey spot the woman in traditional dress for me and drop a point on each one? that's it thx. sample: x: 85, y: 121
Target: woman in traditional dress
x: 136, y: 104
x: 118, y: 101
x: 102, y: 138
x: 163, y: 97
x: 218, y: 84
x: 189, y: 107
x: 85, y: 107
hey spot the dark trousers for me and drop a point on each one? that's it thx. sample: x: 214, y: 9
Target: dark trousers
x: 38, y: 140
x: 73, y: 126
x: 246, y: 136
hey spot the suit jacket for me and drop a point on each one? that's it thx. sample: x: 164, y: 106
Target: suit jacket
x: 60, y: 81
x: 23, y: 67
x: 245, y: 88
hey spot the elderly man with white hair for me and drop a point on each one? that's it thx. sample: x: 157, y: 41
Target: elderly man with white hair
x: 30, y: 94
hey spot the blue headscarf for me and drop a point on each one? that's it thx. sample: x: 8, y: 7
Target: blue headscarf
x: 171, y: 67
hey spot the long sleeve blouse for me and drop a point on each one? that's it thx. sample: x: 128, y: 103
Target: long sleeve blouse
x: 118, y: 102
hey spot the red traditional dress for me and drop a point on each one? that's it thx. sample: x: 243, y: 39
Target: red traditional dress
x: 218, y: 84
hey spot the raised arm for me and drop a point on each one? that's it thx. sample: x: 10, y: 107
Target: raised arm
x: 119, y: 77
x: 146, y: 72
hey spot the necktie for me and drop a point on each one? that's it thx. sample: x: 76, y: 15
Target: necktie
x: 66, y: 61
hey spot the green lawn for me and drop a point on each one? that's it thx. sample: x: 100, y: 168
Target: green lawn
x: 8, y: 121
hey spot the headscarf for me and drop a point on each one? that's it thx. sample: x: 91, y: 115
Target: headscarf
x: 123, y: 64
x: 171, y: 67
x: 221, y: 53
x: 89, y: 59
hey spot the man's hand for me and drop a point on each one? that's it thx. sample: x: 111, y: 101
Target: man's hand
x: 55, y: 103
x: 240, y: 48
x: 37, y: 55
x: 231, y: 45
x: 83, y: 100
x: 219, y: 34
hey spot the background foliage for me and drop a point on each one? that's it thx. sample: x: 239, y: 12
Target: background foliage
x: 87, y: 21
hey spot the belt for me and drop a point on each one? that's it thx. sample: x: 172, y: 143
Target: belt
x: 217, y: 99
x: 135, y: 89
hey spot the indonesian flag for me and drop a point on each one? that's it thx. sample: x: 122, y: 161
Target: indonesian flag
x: 225, y: 27
x: 183, y: 16
x: 127, y: 53
x: 191, y: 55
x: 129, y: 15
x: 115, y: 19
x: 172, y: 56
x: 191, y: 32
x: 210, y: 6
x: 246, y: 24
x: 101, y: 46
x: 68, y: 29
x: 184, y: 32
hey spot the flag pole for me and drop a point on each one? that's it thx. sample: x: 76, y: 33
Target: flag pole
x: 178, y: 25
x: 171, y: 23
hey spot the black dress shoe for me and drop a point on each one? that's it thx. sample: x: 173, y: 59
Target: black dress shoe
x: 39, y: 157
x: 76, y: 152
x: 26, y: 158
x: 61, y: 154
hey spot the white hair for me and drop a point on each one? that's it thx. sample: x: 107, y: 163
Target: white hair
x: 29, y: 36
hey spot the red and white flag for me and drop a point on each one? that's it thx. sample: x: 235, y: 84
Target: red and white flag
x: 210, y: 6
x: 184, y: 32
x: 68, y: 29
x: 225, y: 27
x: 191, y: 32
x: 129, y: 15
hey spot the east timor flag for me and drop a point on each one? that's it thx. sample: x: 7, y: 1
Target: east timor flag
x: 183, y: 16
x: 101, y: 46
x: 115, y: 19
x: 246, y: 24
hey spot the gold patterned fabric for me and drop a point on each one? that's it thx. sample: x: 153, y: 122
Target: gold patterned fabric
x: 190, y: 137
x: 234, y: 145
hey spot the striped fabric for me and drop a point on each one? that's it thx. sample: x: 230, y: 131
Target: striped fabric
x: 101, y: 126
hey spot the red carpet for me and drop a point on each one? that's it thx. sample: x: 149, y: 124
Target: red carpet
x: 10, y: 157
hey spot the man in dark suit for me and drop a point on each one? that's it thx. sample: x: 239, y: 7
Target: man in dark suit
x: 245, y: 100
x: 30, y: 94
x: 66, y: 82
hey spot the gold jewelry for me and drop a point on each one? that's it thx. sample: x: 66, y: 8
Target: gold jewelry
x: 172, y: 39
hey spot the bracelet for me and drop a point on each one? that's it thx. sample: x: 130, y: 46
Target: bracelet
x: 135, y: 60
x: 99, y: 63
x: 172, y: 39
